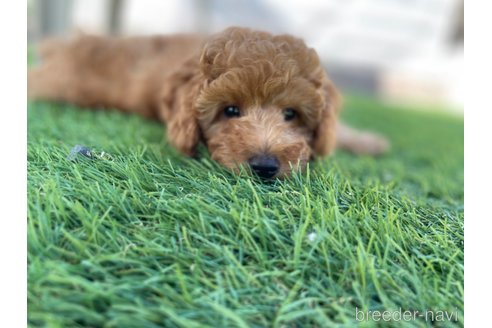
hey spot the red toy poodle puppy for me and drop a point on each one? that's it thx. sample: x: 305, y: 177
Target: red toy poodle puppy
x: 254, y: 99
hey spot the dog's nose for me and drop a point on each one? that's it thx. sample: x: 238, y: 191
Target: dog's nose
x: 265, y: 166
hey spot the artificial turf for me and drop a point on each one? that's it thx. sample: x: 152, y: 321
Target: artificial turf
x: 143, y: 237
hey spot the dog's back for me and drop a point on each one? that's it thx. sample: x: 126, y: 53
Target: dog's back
x: 122, y: 73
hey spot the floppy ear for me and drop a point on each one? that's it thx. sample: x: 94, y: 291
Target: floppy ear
x: 177, y: 107
x: 325, y: 134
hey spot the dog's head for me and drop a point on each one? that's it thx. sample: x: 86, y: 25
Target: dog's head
x: 256, y: 100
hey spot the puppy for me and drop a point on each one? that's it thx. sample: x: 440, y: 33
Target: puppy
x: 254, y: 99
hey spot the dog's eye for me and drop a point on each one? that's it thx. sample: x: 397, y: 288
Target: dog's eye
x: 232, y: 111
x: 289, y: 114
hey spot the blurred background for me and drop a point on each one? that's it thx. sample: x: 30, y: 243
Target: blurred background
x: 403, y: 51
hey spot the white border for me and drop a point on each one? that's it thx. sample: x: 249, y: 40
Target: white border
x: 13, y: 130
x: 478, y: 162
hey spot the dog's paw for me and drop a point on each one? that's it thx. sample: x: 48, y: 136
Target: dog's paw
x: 372, y: 144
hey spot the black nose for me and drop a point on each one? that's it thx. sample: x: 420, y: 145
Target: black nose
x: 266, y: 166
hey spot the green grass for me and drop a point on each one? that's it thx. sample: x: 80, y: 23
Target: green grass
x: 146, y: 238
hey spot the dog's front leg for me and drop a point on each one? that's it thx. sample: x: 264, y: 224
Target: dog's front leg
x: 360, y: 142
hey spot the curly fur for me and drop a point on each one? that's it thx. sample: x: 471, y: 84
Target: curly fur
x: 187, y: 82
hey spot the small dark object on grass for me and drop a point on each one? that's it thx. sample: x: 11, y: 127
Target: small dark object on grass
x: 79, y: 149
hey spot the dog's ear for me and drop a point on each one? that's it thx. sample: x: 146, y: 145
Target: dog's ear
x: 177, y: 106
x: 324, y: 139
